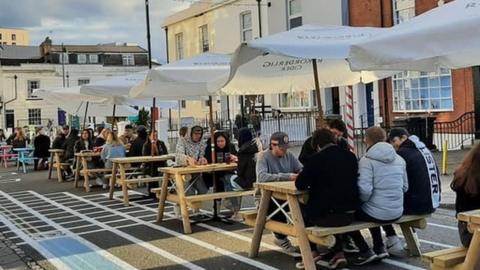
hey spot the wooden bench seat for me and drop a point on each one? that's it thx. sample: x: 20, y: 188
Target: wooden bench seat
x: 445, y: 258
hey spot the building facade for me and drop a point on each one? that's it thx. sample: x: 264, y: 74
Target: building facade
x: 14, y: 36
x: 26, y: 68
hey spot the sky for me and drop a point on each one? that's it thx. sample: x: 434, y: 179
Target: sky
x: 91, y: 21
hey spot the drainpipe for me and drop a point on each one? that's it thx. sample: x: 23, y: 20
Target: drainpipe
x: 15, y: 77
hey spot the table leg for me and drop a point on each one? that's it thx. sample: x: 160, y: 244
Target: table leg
x: 163, y: 196
x: 113, y: 181
x: 77, y: 171
x: 260, y: 223
x: 123, y: 181
x: 86, y: 177
x: 472, y: 260
x: 23, y: 163
x: 413, y: 247
x: 59, y: 168
x: 187, y: 228
x: 50, y: 168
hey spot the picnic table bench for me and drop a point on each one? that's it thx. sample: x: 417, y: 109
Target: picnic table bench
x: 6, y: 155
x: 177, y: 176
x: 459, y: 258
x: 81, y: 168
x: 295, y: 227
x: 56, y: 162
x: 24, y: 157
x: 121, y: 166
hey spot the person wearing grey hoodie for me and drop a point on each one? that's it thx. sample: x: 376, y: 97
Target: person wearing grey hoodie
x: 382, y: 183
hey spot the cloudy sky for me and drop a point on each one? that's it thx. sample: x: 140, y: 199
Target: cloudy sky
x: 90, y: 21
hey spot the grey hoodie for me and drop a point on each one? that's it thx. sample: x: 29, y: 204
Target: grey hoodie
x: 382, y: 182
x: 187, y: 147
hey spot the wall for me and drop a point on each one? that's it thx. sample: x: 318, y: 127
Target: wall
x: 22, y: 36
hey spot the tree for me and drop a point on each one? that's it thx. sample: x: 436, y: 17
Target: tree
x: 143, y: 117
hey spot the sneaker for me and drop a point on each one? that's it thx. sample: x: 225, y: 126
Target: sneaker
x: 99, y: 181
x: 333, y: 260
x: 365, y: 257
x: 176, y: 210
x: 381, y: 252
x: 395, y: 246
x: 236, y: 217
x: 104, y: 186
x: 287, y: 246
x: 349, y: 246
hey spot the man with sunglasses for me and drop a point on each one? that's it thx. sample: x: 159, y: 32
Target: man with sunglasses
x: 278, y: 164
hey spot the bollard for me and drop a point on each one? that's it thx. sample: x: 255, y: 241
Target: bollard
x: 444, y: 157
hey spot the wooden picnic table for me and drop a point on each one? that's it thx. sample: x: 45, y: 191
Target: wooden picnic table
x: 81, y: 168
x: 472, y: 258
x: 177, y: 175
x: 120, y: 166
x: 55, y: 162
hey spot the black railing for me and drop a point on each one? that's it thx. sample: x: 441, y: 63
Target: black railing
x: 458, y: 133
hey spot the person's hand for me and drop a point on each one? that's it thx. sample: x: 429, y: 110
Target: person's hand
x: 293, y: 177
x: 191, y: 161
x: 203, y: 161
x: 233, y: 158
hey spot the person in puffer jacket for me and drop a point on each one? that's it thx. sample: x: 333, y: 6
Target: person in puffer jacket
x: 382, y: 182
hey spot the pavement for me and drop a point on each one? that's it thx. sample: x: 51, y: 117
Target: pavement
x: 50, y: 225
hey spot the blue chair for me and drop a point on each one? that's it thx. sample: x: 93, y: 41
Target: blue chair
x: 25, y: 157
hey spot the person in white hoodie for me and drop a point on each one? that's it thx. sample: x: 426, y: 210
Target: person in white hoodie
x: 382, y: 182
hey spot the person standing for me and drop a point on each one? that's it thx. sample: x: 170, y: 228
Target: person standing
x: 278, y: 164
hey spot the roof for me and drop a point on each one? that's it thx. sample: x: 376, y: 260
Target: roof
x: 196, y: 9
x: 13, y: 28
x: 99, y: 48
x: 20, y: 52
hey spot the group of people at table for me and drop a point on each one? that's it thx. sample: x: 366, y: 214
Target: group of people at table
x: 396, y: 176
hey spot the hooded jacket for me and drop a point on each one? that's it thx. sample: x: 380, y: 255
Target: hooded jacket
x: 186, y: 147
x: 382, y: 182
x: 308, y: 150
x: 423, y: 195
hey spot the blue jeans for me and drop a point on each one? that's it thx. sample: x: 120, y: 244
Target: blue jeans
x: 230, y: 185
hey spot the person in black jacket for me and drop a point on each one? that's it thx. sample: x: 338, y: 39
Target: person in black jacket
x: 59, y: 139
x: 338, y: 128
x: 224, y: 152
x: 84, y: 143
x: 151, y: 168
x: 466, y: 184
x: 136, y: 149
x: 330, y: 176
x: 41, y: 144
x: 423, y: 195
x: 69, y: 148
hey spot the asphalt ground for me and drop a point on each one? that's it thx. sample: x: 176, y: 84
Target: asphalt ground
x: 62, y: 227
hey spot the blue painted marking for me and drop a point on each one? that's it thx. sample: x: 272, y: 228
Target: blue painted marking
x: 76, y: 255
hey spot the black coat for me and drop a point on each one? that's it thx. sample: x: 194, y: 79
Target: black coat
x: 418, y: 199
x: 151, y: 168
x: 330, y: 176
x: 136, y: 148
x: 19, y: 143
x: 41, y: 143
x: 69, y: 147
x: 99, y: 141
x: 58, y: 142
x: 307, y: 149
x: 246, y: 165
x: 80, y: 146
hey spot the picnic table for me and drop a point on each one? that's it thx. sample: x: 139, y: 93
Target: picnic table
x: 5, y: 154
x: 120, y: 167
x: 81, y: 168
x: 24, y: 157
x: 56, y: 162
x: 177, y: 176
x: 295, y: 226
x: 460, y: 258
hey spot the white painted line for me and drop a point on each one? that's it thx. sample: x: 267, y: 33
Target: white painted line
x: 432, y: 243
x: 68, y: 222
x: 18, y: 192
x: 443, y: 226
x: 402, y: 265
x: 94, y: 231
x: 132, y: 239
x: 79, y: 227
x: 101, y: 252
x: 149, y: 215
x: 9, y: 181
x: 186, y: 238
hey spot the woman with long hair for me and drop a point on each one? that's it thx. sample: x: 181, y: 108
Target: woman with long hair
x: 466, y: 183
x: 113, y: 148
x: 20, y: 139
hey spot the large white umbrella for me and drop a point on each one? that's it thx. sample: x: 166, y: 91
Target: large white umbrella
x: 447, y: 36
x: 304, y: 58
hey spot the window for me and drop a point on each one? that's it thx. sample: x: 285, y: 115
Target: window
x: 81, y: 58
x: 179, y: 46
x: 32, y: 85
x: 93, y: 58
x: 63, y: 59
x: 203, y: 38
x: 14, y: 37
x: 128, y: 60
x: 14, y: 43
x: 183, y: 104
x: 35, y: 117
x: 0, y: 35
x: 299, y: 99
x: 83, y: 81
x: 246, y: 26
x: 419, y: 91
x: 294, y: 13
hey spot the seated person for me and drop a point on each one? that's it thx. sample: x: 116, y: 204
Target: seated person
x: 225, y: 152
x: 19, y: 139
x: 59, y: 139
x: 136, y: 148
x: 466, y: 184
x: 330, y: 176
x: 382, y: 183
x: 423, y: 195
x: 69, y: 151
x: 190, y: 151
x: 151, y: 168
x: 278, y: 164
x: 113, y: 148
x: 127, y: 137
x: 84, y: 143
x: 41, y: 145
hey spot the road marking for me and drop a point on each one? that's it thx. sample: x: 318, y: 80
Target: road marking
x: 103, y: 254
x: 132, y: 239
x: 7, y: 181
x: 184, y: 237
x: 443, y: 226
x: 402, y: 265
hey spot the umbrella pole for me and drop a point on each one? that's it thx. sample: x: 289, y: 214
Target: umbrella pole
x: 85, y: 115
x: 113, y: 121
x: 320, y: 120
x: 212, y: 129
x: 152, y: 124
